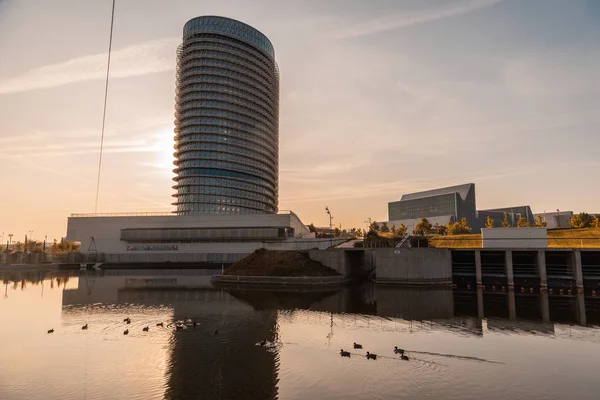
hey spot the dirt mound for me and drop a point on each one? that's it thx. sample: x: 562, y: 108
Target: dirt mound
x: 279, y: 263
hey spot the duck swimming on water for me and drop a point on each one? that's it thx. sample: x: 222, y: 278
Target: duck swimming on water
x: 344, y: 353
x: 160, y: 324
x: 371, y: 356
x: 83, y: 328
x: 398, y: 351
x: 357, y: 346
x: 405, y: 358
x: 126, y: 332
x: 146, y: 329
x: 50, y: 330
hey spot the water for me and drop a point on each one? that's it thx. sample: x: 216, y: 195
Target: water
x: 454, y: 354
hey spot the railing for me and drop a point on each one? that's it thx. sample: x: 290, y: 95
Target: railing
x: 122, y: 214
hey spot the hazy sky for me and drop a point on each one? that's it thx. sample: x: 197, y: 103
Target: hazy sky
x: 378, y: 98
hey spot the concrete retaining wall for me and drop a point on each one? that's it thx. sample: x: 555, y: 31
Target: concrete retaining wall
x: 352, y: 264
x: 414, y: 266
x: 514, y: 238
x: 279, y: 280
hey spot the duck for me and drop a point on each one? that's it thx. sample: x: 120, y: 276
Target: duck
x: 50, y: 330
x: 357, y: 346
x: 398, y: 351
x: 126, y: 332
x: 83, y: 328
x: 179, y: 327
x: 146, y: 329
x: 344, y: 353
x: 160, y: 324
x: 371, y: 356
x: 216, y: 332
x: 405, y: 358
x: 263, y: 343
x: 127, y: 320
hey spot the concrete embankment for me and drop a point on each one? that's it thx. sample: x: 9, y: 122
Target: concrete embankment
x: 413, y: 267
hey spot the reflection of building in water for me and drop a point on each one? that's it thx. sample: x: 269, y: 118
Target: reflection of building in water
x: 411, y: 304
x: 227, y: 365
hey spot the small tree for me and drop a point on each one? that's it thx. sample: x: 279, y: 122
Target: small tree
x: 539, y: 222
x: 596, y: 222
x: 385, y: 228
x: 401, y: 231
x: 312, y: 228
x: 374, y: 227
x: 581, y: 220
x: 337, y: 232
x: 523, y: 223
x: 489, y: 223
x: 505, y: 222
x: 423, y: 228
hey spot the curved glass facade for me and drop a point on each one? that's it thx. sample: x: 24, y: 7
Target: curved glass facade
x: 226, y: 120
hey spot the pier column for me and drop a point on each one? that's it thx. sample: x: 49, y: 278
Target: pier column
x: 577, y: 270
x: 480, y: 303
x: 541, y: 266
x: 512, y: 309
x: 545, y: 305
x: 581, y: 316
x: 478, y: 273
x: 509, y: 269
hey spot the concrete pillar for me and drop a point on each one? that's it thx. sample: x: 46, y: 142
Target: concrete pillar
x: 577, y: 270
x: 512, y: 309
x: 480, y: 303
x: 545, y: 305
x: 581, y: 316
x: 478, y: 273
x: 541, y: 266
x: 509, y: 268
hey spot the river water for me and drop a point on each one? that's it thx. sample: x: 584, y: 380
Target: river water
x: 503, y: 347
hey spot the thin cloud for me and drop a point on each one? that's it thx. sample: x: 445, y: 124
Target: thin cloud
x: 139, y: 59
x: 403, y: 20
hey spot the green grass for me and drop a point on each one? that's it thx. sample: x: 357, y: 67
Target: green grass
x: 557, y: 238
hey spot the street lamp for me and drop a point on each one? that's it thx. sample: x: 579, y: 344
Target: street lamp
x: 330, y: 219
x: 10, y: 235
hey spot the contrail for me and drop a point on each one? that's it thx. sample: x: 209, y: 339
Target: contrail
x: 399, y: 21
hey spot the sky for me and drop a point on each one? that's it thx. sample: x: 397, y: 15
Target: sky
x: 378, y: 98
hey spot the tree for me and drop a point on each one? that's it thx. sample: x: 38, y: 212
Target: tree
x: 489, y: 223
x: 337, y: 232
x: 523, y: 223
x: 394, y: 230
x: 423, y: 228
x: 596, y: 222
x: 359, y: 233
x: 581, y: 220
x: 440, y: 229
x: 505, y: 222
x: 312, y: 228
x: 459, y: 228
x: 402, y: 230
x: 374, y: 227
x: 539, y: 222
x: 384, y: 228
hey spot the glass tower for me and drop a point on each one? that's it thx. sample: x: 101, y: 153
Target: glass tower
x: 226, y: 120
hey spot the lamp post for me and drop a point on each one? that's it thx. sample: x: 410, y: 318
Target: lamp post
x: 330, y: 219
x: 10, y: 235
x: 557, y: 218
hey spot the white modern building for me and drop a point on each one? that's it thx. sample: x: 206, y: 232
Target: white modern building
x: 156, y: 238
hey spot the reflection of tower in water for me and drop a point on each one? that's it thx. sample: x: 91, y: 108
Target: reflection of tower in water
x: 226, y: 365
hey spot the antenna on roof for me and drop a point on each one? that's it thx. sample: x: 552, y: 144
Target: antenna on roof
x: 112, y: 21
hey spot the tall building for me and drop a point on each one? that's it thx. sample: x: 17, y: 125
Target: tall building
x: 226, y: 120
x: 227, y: 157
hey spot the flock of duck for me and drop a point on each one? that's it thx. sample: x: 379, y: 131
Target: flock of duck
x: 178, y: 326
x: 371, y: 356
